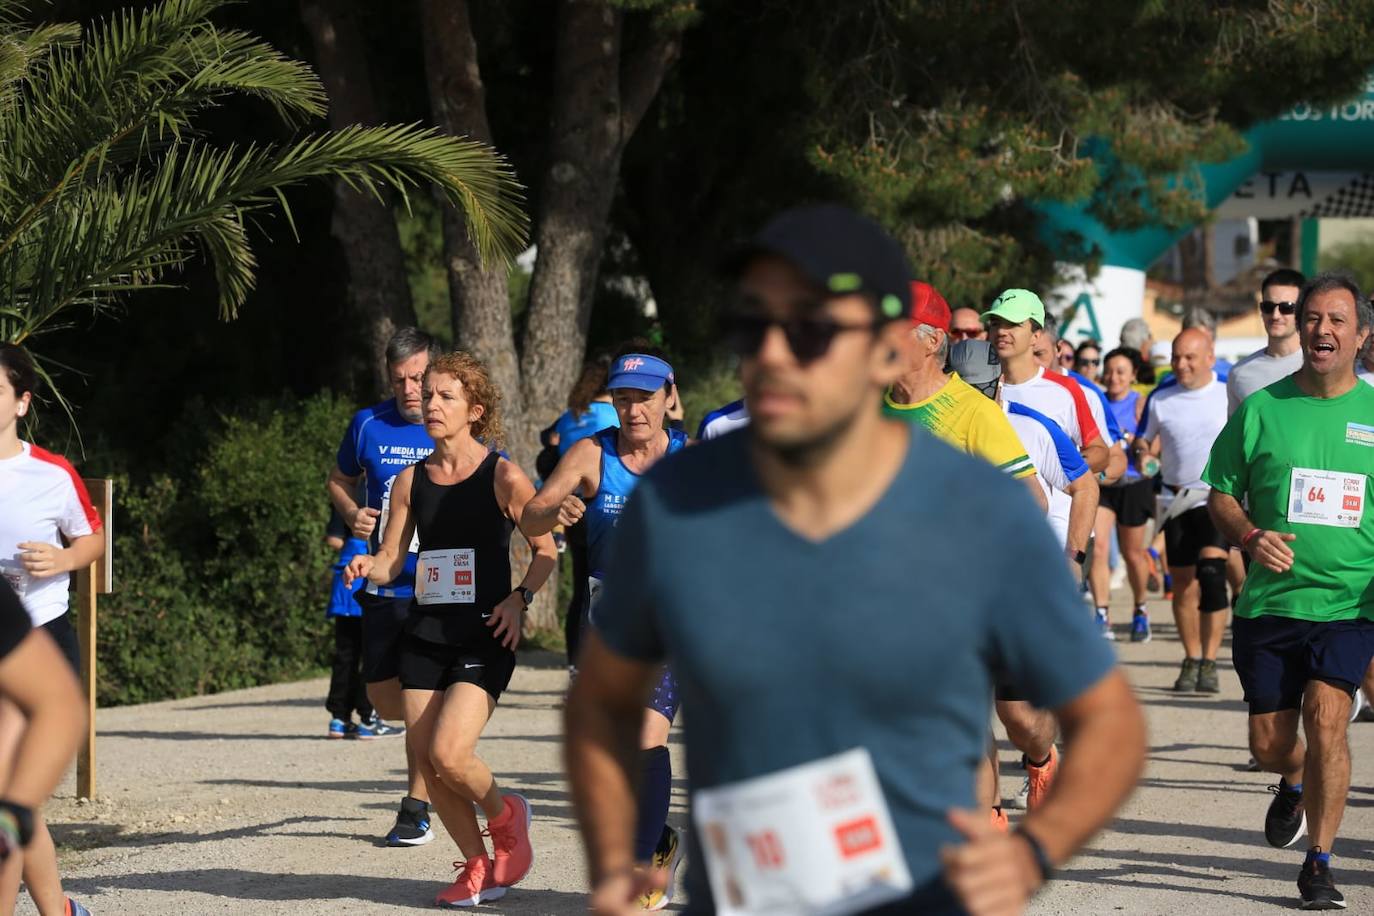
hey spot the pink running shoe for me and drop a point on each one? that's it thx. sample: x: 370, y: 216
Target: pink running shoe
x: 473, y: 884
x: 512, y: 854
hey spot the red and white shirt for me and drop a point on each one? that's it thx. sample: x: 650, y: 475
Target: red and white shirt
x: 1062, y: 400
x: 41, y: 497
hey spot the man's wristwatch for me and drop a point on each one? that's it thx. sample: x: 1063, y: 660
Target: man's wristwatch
x: 18, y: 820
x: 1079, y: 557
x: 526, y: 595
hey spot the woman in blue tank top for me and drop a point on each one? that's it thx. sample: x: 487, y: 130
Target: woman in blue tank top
x: 593, y: 482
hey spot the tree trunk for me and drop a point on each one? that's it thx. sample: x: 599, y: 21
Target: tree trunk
x: 596, y: 108
x: 379, y: 296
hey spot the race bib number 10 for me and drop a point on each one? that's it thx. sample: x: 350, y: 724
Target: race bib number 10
x: 1332, y: 498
x: 446, y: 577
x: 812, y: 839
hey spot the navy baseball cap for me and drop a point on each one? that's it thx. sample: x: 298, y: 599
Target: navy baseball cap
x: 838, y: 250
x: 641, y: 371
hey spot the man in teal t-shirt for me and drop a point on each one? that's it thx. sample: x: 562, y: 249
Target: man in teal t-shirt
x: 1292, y: 476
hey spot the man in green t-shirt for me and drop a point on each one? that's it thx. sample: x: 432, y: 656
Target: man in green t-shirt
x: 1291, y: 481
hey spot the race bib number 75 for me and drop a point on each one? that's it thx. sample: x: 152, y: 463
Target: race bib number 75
x: 446, y: 577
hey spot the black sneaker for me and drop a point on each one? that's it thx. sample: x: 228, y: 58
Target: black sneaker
x: 412, y: 824
x: 1286, y: 822
x: 1316, y: 888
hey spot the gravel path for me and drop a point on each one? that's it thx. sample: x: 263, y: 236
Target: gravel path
x: 237, y: 804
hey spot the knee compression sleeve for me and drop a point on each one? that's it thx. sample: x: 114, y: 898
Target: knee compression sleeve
x: 1211, y: 580
x: 655, y: 792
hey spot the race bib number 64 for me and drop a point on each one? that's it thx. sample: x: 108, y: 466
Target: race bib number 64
x: 1332, y: 498
x: 446, y: 577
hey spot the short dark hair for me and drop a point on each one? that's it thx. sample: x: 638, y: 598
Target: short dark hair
x: 19, y: 369
x: 1284, y: 276
x: 1089, y: 344
x: 408, y: 341
x: 1127, y: 353
x: 1329, y: 280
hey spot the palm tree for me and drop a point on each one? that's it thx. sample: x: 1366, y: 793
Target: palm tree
x: 107, y: 186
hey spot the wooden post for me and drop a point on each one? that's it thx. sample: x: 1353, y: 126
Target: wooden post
x: 97, y: 579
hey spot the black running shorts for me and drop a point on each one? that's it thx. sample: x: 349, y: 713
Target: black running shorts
x: 429, y: 665
x: 64, y: 634
x: 1132, y: 503
x: 384, y: 624
x: 1187, y: 534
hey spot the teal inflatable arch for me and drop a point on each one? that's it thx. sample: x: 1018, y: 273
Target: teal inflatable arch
x: 1335, y: 138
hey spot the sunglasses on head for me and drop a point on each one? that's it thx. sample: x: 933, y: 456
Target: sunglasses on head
x: 1285, y: 308
x: 807, y: 338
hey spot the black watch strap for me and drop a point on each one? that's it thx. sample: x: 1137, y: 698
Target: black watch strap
x: 1080, y: 557
x: 19, y: 818
x: 526, y: 595
x: 1042, y: 861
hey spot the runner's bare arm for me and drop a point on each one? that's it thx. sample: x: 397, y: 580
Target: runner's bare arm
x: 1116, y: 464
x: 513, y: 493
x: 1083, y: 498
x: 579, y: 469
x: 42, y: 560
x: 396, y: 539
x: 36, y: 678
x: 1033, y: 484
x: 341, y: 488
x: 1095, y: 453
x: 602, y: 722
x: 1269, y: 548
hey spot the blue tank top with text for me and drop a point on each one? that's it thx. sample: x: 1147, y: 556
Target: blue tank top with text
x: 617, y: 483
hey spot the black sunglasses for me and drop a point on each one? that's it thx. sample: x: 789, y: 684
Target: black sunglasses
x: 1084, y: 361
x: 1285, y: 308
x: 808, y: 338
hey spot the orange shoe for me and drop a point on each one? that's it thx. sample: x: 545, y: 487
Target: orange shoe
x: 999, y: 820
x: 1040, y: 779
x: 472, y: 886
x: 512, y: 854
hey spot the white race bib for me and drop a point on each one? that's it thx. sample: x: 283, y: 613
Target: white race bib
x: 14, y: 573
x: 810, y: 839
x: 1332, y: 498
x: 446, y: 577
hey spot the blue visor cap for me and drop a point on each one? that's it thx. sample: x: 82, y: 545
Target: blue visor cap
x: 640, y: 371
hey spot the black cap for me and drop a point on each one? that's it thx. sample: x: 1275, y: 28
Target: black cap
x: 839, y: 251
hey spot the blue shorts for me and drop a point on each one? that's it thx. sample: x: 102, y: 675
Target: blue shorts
x: 664, y: 700
x: 1275, y: 657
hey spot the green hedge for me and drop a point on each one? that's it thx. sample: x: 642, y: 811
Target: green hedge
x: 222, y: 576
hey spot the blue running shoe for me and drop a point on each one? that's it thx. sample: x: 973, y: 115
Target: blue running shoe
x: 376, y: 728
x: 338, y: 728
x: 76, y: 909
x: 412, y: 824
x: 1140, y: 627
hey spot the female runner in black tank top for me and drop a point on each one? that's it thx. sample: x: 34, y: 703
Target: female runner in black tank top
x: 458, y: 653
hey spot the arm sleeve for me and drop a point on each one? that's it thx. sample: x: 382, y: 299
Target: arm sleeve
x: 625, y: 615
x: 992, y: 438
x: 1043, y: 642
x: 1070, y: 458
x: 79, y: 517
x: 347, y: 457
x: 1228, y: 466
x: 1087, y: 426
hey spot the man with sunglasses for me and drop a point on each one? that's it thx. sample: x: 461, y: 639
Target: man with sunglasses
x: 1282, y: 355
x: 829, y: 770
x: 966, y: 324
x: 944, y: 403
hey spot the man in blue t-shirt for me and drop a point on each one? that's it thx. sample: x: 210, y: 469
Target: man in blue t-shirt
x: 381, y: 441
x: 796, y: 577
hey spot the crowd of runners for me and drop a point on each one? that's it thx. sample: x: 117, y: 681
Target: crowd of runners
x: 785, y: 578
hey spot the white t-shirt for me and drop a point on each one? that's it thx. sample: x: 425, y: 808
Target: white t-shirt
x: 1187, y: 422
x: 41, y: 496
x: 1049, y: 473
x: 1364, y: 375
x: 1059, y: 398
x: 1256, y: 371
x: 722, y: 420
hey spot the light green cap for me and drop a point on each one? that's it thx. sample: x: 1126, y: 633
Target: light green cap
x: 1015, y: 306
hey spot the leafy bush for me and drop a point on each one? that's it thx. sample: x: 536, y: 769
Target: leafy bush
x: 222, y: 578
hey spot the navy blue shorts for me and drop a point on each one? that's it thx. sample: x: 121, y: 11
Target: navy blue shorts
x: 664, y: 700
x: 384, y: 628
x: 1275, y: 657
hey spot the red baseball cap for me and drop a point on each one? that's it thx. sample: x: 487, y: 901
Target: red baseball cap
x: 928, y: 306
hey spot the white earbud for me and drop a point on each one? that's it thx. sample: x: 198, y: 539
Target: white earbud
x: 23, y: 409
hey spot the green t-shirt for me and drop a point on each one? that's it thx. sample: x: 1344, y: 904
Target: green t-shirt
x: 1264, y: 457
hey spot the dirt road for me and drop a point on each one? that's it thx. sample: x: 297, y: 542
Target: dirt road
x: 237, y: 804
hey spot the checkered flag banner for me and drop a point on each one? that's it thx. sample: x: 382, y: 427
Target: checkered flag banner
x: 1355, y: 199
